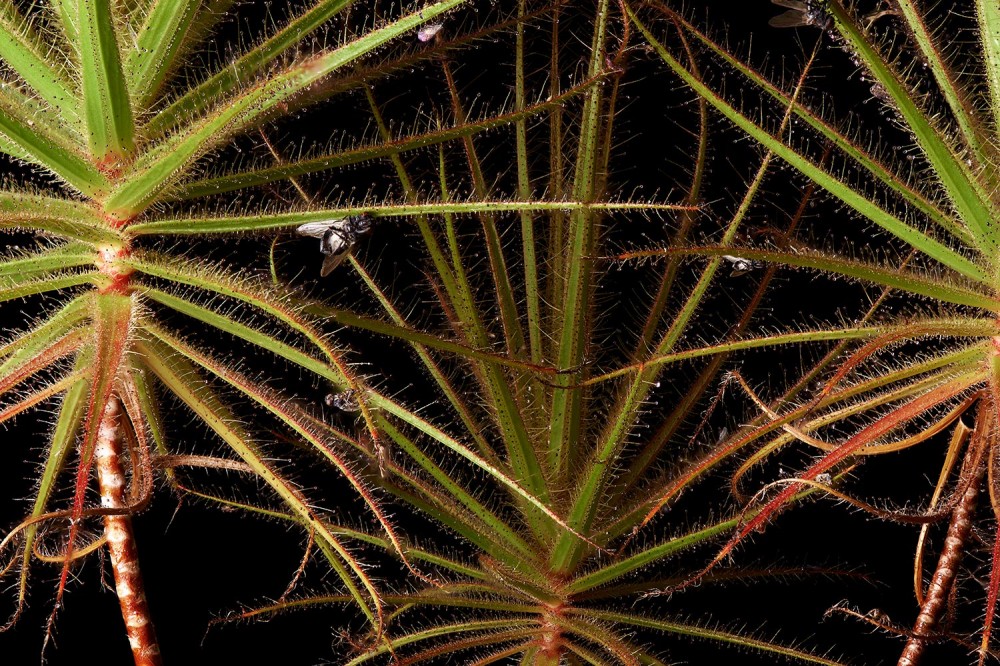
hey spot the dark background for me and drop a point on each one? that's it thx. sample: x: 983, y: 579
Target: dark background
x: 201, y: 563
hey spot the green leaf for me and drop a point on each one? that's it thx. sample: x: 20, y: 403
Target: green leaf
x: 850, y: 196
x: 246, y: 68
x: 177, y: 153
x: 110, y: 129
x: 160, y: 39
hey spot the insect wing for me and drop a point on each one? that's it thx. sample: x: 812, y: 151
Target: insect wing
x: 315, y: 229
x: 427, y: 32
x: 790, y: 19
x: 331, y: 261
x: 796, y: 16
x: 797, y: 5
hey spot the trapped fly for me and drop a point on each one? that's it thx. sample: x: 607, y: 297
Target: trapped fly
x: 741, y: 266
x: 337, y: 237
x: 345, y: 402
x: 800, y: 13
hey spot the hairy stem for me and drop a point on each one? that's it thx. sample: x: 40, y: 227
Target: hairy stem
x: 121, y: 541
x: 944, y: 575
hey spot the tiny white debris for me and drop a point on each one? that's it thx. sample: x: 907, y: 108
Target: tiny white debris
x: 825, y: 479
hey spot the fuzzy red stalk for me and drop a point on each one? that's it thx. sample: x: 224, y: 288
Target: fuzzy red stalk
x: 121, y: 541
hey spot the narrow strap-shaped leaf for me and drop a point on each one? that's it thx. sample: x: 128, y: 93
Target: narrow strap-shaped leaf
x: 965, y: 114
x: 855, y: 152
x: 68, y: 13
x: 20, y: 367
x: 441, y: 497
x: 110, y: 127
x: 24, y: 51
x: 42, y: 264
x: 960, y: 362
x: 612, y: 642
x: 177, y: 154
x: 27, y: 344
x: 388, y: 148
x: 28, y: 285
x: 278, y: 306
x: 251, y: 335
x: 958, y: 182
x: 149, y: 406
x: 162, y: 34
x: 528, y: 253
x: 206, y: 22
x: 60, y: 217
x: 420, y: 346
x: 458, y: 297
x: 947, y: 392
x: 264, y: 221
x: 573, y: 300
x: 290, y: 416
x: 695, y: 631
x: 921, y: 285
x: 505, y: 629
x: 354, y: 320
x: 651, y: 554
x: 955, y: 327
x: 633, y: 394
x: 907, y: 233
x: 462, y: 495
x: 575, y: 307
x: 988, y: 16
x: 521, y: 456
x: 63, y: 439
x: 20, y: 102
x: 864, y: 406
x: 421, y: 554
x: 438, y: 435
x: 66, y: 164
x: 35, y: 395
x: 184, y: 381
x: 246, y: 68
x: 503, y: 289
x: 647, y: 556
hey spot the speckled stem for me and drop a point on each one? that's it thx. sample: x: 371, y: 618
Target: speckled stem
x: 121, y: 542
x: 944, y: 576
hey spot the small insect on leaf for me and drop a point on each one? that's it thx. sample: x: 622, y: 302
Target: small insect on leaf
x: 345, y: 402
x: 742, y: 266
x: 800, y: 13
x: 337, y: 237
x: 428, y: 32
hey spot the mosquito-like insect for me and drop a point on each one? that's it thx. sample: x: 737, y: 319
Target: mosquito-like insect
x: 336, y: 237
x: 741, y: 265
x: 345, y: 402
x: 800, y: 13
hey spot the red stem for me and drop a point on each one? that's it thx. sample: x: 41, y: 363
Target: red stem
x: 121, y: 541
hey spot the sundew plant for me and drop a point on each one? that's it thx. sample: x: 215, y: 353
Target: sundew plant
x: 907, y: 204
x: 544, y: 421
